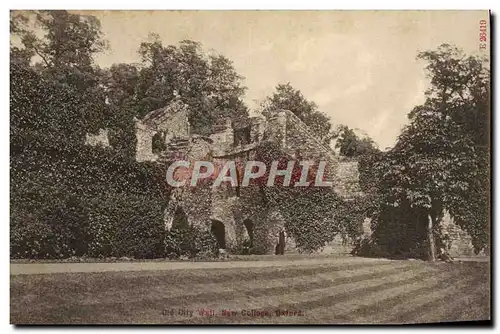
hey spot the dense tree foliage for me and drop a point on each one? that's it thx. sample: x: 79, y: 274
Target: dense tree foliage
x: 441, y: 160
x: 350, y: 145
x: 288, y: 98
x: 208, y: 84
x: 64, y: 53
x: 451, y: 130
x: 69, y: 199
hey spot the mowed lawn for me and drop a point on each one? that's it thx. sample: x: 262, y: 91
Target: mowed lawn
x: 334, y: 292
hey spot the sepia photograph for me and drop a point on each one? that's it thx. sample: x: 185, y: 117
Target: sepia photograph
x: 258, y: 167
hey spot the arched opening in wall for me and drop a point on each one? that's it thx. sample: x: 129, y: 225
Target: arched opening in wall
x: 219, y: 233
x: 249, y: 226
x: 180, y: 220
x: 280, y: 246
x: 242, y: 136
x: 158, y: 144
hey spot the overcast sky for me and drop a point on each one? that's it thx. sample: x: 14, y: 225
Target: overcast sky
x: 358, y: 66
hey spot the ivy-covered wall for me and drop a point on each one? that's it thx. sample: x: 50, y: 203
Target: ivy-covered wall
x: 264, y: 208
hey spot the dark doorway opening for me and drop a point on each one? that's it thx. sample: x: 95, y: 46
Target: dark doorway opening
x: 280, y: 246
x: 180, y: 219
x: 158, y: 143
x: 249, y: 226
x: 219, y: 233
x: 242, y: 136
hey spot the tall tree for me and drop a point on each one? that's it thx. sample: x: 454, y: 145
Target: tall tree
x: 62, y: 46
x: 208, y: 84
x: 441, y: 159
x: 69, y: 40
x: 460, y: 94
x: 288, y: 98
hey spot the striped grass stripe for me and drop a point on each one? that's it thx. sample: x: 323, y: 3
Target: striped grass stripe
x: 308, y: 300
x: 174, y: 296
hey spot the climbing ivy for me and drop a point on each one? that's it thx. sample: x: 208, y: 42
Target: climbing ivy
x: 313, y: 215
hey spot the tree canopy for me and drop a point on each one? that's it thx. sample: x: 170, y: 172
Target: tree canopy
x: 441, y: 159
x: 351, y: 145
x: 65, y: 52
x: 208, y: 84
x: 288, y: 98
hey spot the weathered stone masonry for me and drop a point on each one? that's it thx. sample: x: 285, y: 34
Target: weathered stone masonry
x: 242, y: 213
x: 239, y: 215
